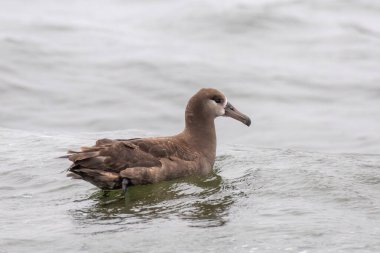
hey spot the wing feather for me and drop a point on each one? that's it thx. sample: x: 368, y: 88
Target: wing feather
x: 102, y: 163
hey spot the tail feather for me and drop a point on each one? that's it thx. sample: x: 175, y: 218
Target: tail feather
x: 102, y: 179
x: 73, y: 155
x: 96, y: 163
x: 89, y: 164
x: 73, y: 175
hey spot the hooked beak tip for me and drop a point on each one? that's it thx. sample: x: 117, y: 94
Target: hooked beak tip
x: 232, y: 112
x: 248, y: 122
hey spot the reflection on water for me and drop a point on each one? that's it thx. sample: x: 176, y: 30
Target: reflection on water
x: 202, y: 201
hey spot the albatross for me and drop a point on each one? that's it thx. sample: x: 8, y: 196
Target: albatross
x: 120, y: 163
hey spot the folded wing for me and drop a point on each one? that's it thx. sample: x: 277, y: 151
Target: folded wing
x: 102, y: 163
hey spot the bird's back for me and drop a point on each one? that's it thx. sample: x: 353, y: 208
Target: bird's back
x: 141, y: 160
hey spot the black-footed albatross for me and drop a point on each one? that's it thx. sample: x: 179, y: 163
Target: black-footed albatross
x: 115, y: 164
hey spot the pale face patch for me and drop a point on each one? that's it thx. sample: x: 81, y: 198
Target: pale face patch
x: 225, y: 102
x: 218, y: 109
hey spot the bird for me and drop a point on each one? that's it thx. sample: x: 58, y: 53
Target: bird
x: 120, y: 163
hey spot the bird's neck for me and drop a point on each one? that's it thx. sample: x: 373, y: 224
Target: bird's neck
x: 200, y: 133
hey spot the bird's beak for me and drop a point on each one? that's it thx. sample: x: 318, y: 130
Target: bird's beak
x: 231, y: 111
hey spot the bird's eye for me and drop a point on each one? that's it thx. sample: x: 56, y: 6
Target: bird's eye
x: 217, y: 100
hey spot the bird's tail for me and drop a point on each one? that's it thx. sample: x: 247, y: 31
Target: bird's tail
x: 89, y: 165
x: 103, y: 179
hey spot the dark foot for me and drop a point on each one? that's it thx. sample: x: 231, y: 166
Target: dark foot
x: 125, y: 183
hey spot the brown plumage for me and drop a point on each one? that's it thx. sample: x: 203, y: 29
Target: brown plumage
x: 114, y: 164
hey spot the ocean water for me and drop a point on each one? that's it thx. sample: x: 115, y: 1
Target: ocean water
x: 305, y: 177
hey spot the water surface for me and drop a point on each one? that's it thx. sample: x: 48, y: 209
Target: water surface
x: 305, y: 177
